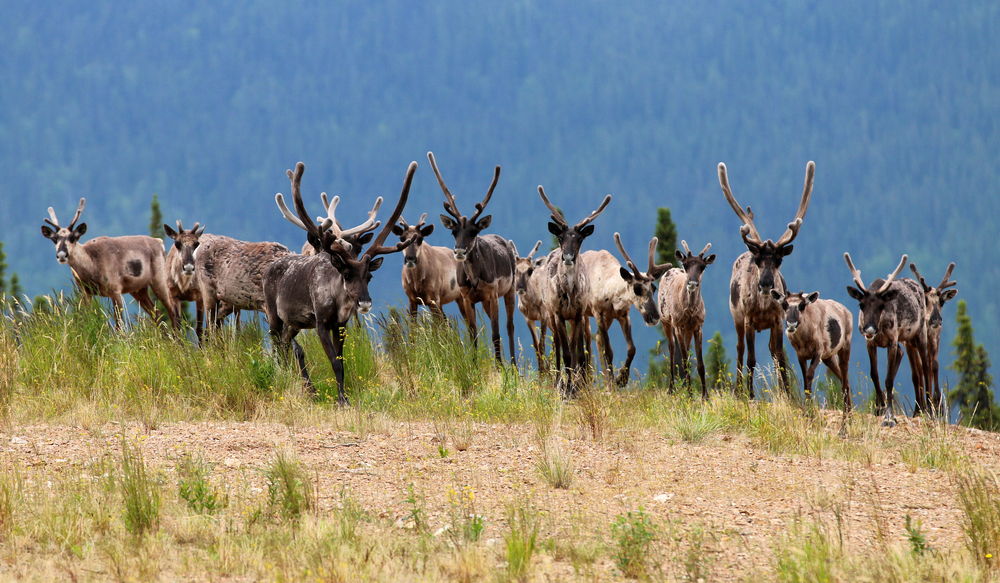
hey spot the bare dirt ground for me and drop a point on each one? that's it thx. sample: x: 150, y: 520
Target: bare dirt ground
x: 742, y: 496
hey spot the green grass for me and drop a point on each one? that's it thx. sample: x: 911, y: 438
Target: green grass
x: 634, y: 534
x: 139, y: 491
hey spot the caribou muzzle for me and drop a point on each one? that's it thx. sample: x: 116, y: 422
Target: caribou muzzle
x: 410, y: 263
x: 692, y: 285
x: 460, y: 254
x: 569, y: 260
x: 364, y: 306
x: 188, y: 269
x: 869, y: 331
x: 791, y: 327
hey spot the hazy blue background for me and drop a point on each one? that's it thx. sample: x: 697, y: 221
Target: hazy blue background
x: 207, y: 104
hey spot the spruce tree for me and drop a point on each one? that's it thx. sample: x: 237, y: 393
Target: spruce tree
x: 15, y: 289
x: 974, y: 392
x: 156, y: 219
x: 3, y: 272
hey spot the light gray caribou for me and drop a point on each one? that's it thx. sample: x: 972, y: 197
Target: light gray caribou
x: 112, y: 266
x: 528, y: 282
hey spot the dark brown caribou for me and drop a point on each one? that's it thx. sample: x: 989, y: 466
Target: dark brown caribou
x: 485, y: 264
x: 755, y: 274
x: 892, y: 311
x: 323, y: 291
x: 936, y: 297
x: 682, y: 311
x: 567, y: 294
x: 112, y: 266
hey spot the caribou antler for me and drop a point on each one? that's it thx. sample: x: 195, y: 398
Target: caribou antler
x: 376, y: 247
x: 628, y: 260
x: 945, y: 284
x: 793, y: 227
x: 557, y: 216
x: 595, y: 214
x: 331, y: 211
x: 746, y: 217
x: 656, y: 270
x: 892, y: 276
x: 482, y: 205
x: 534, y: 249
x: 52, y: 220
x: 449, y: 203
x: 855, y: 273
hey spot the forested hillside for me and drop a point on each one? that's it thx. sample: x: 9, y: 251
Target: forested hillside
x: 207, y: 104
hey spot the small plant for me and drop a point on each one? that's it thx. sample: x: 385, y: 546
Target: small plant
x: 467, y: 525
x: 10, y: 498
x: 194, y: 488
x: 634, y: 533
x: 807, y: 552
x: 595, y: 412
x: 463, y: 435
x: 693, y: 424
x: 140, y: 495
x: 289, y: 489
x: 555, y: 465
x: 350, y: 516
x: 417, y: 512
x: 979, y: 498
x: 521, y: 540
x: 918, y: 542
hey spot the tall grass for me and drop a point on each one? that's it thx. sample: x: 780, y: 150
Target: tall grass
x: 979, y: 499
x: 139, y: 491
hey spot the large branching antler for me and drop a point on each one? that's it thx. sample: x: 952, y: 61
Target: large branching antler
x: 331, y: 211
x: 449, y: 203
x: 945, y: 284
x: 557, y: 216
x: 793, y: 227
x: 657, y: 270
x: 855, y: 273
x: 376, y: 247
x: 892, y: 276
x: 746, y: 217
x: 52, y: 220
x: 690, y: 254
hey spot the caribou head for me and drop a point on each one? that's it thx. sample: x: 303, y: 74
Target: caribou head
x: 570, y: 238
x: 465, y: 230
x: 767, y: 255
x: 416, y: 233
x: 794, y: 305
x: 643, y: 285
x: 186, y: 243
x: 936, y: 296
x: 65, y: 238
x: 355, y: 273
x: 524, y: 267
x: 874, y: 299
x: 694, y: 265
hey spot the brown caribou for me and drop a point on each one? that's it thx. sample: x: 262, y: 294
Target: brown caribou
x: 430, y: 273
x: 528, y: 284
x: 755, y: 274
x: 682, y: 311
x: 325, y: 290
x: 567, y: 293
x: 819, y: 330
x: 112, y: 266
x: 613, y: 291
x: 181, y: 274
x: 892, y: 311
x: 485, y: 264
x: 936, y: 298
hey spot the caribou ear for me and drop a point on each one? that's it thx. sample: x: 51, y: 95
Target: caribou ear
x: 678, y: 255
x: 375, y: 264
x: 426, y: 231
x: 555, y: 229
x: 538, y: 262
x: 889, y: 294
x: 587, y: 231
x: 448, y: 222
x: 785, y: 250
x: 812, y: 297
x: 710, y: 259
x: 484, y: 223
x: 170, y: 232
x: 856, y: 293
x: 777, y: 294
x: 48, y: 233
x: 947, y: 295
x: 626, y: 274
x: 338, y: 262
x: 365, y: 239
x: 80, y: 230
x: 397, y: 230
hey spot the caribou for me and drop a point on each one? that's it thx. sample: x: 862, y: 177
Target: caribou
x: 682, y: 311
x: 819, y: 330
x: 181, y: 273
x: 935, y: 299
x: 112, y: 266
x: 323, y: 291
x: 485, y: 264
x: 755, y: 274
x: 892, y: 311
x: 430, y: 275
x: 566, y: 294
x: 613, y: 291
x: 528, y: 283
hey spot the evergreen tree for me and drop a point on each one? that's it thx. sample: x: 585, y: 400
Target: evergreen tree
x: 156, y: 219
x: 3, y: 271
x: 717, y: 363
x: 974, y: 392
x: 666, y: 234
x: 15, y: 289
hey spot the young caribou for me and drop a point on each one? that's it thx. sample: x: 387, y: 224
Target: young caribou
x: 613, y: 291
x: 682, y: 311
x: 892, y: 311
x: 935, y: 298
x: 755, y: 274
x: 323, y: 291
x: 485, y: 264
x: 528, y: 277
x: 819, y: 330
x: 567, y: 291
x: 429, y: 273
x: 112, y: 266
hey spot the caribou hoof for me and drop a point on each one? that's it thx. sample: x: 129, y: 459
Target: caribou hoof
x: 622, y: 378
x: 343, y: 401
x: 889, y: 422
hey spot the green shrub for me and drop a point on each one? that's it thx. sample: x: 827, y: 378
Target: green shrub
x: 634, y: 534
x: 194, y: 488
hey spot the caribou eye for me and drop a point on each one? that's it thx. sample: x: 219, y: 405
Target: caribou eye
x: 637, y: 289
x: 177, y: 244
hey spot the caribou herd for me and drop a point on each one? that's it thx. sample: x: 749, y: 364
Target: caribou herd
x: 326, y: 284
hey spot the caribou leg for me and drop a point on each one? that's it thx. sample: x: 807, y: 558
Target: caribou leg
x: 808, y: 377
x: 776, y: 345
x: 626, y: 371
x: 751, y: 359
x: 668, y: 332
x: 895, y: 356
x: 508, y: 303
x: 917, y: 377
x: 740, y: 348
x: 332, y: 340
x: 604, y: 341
